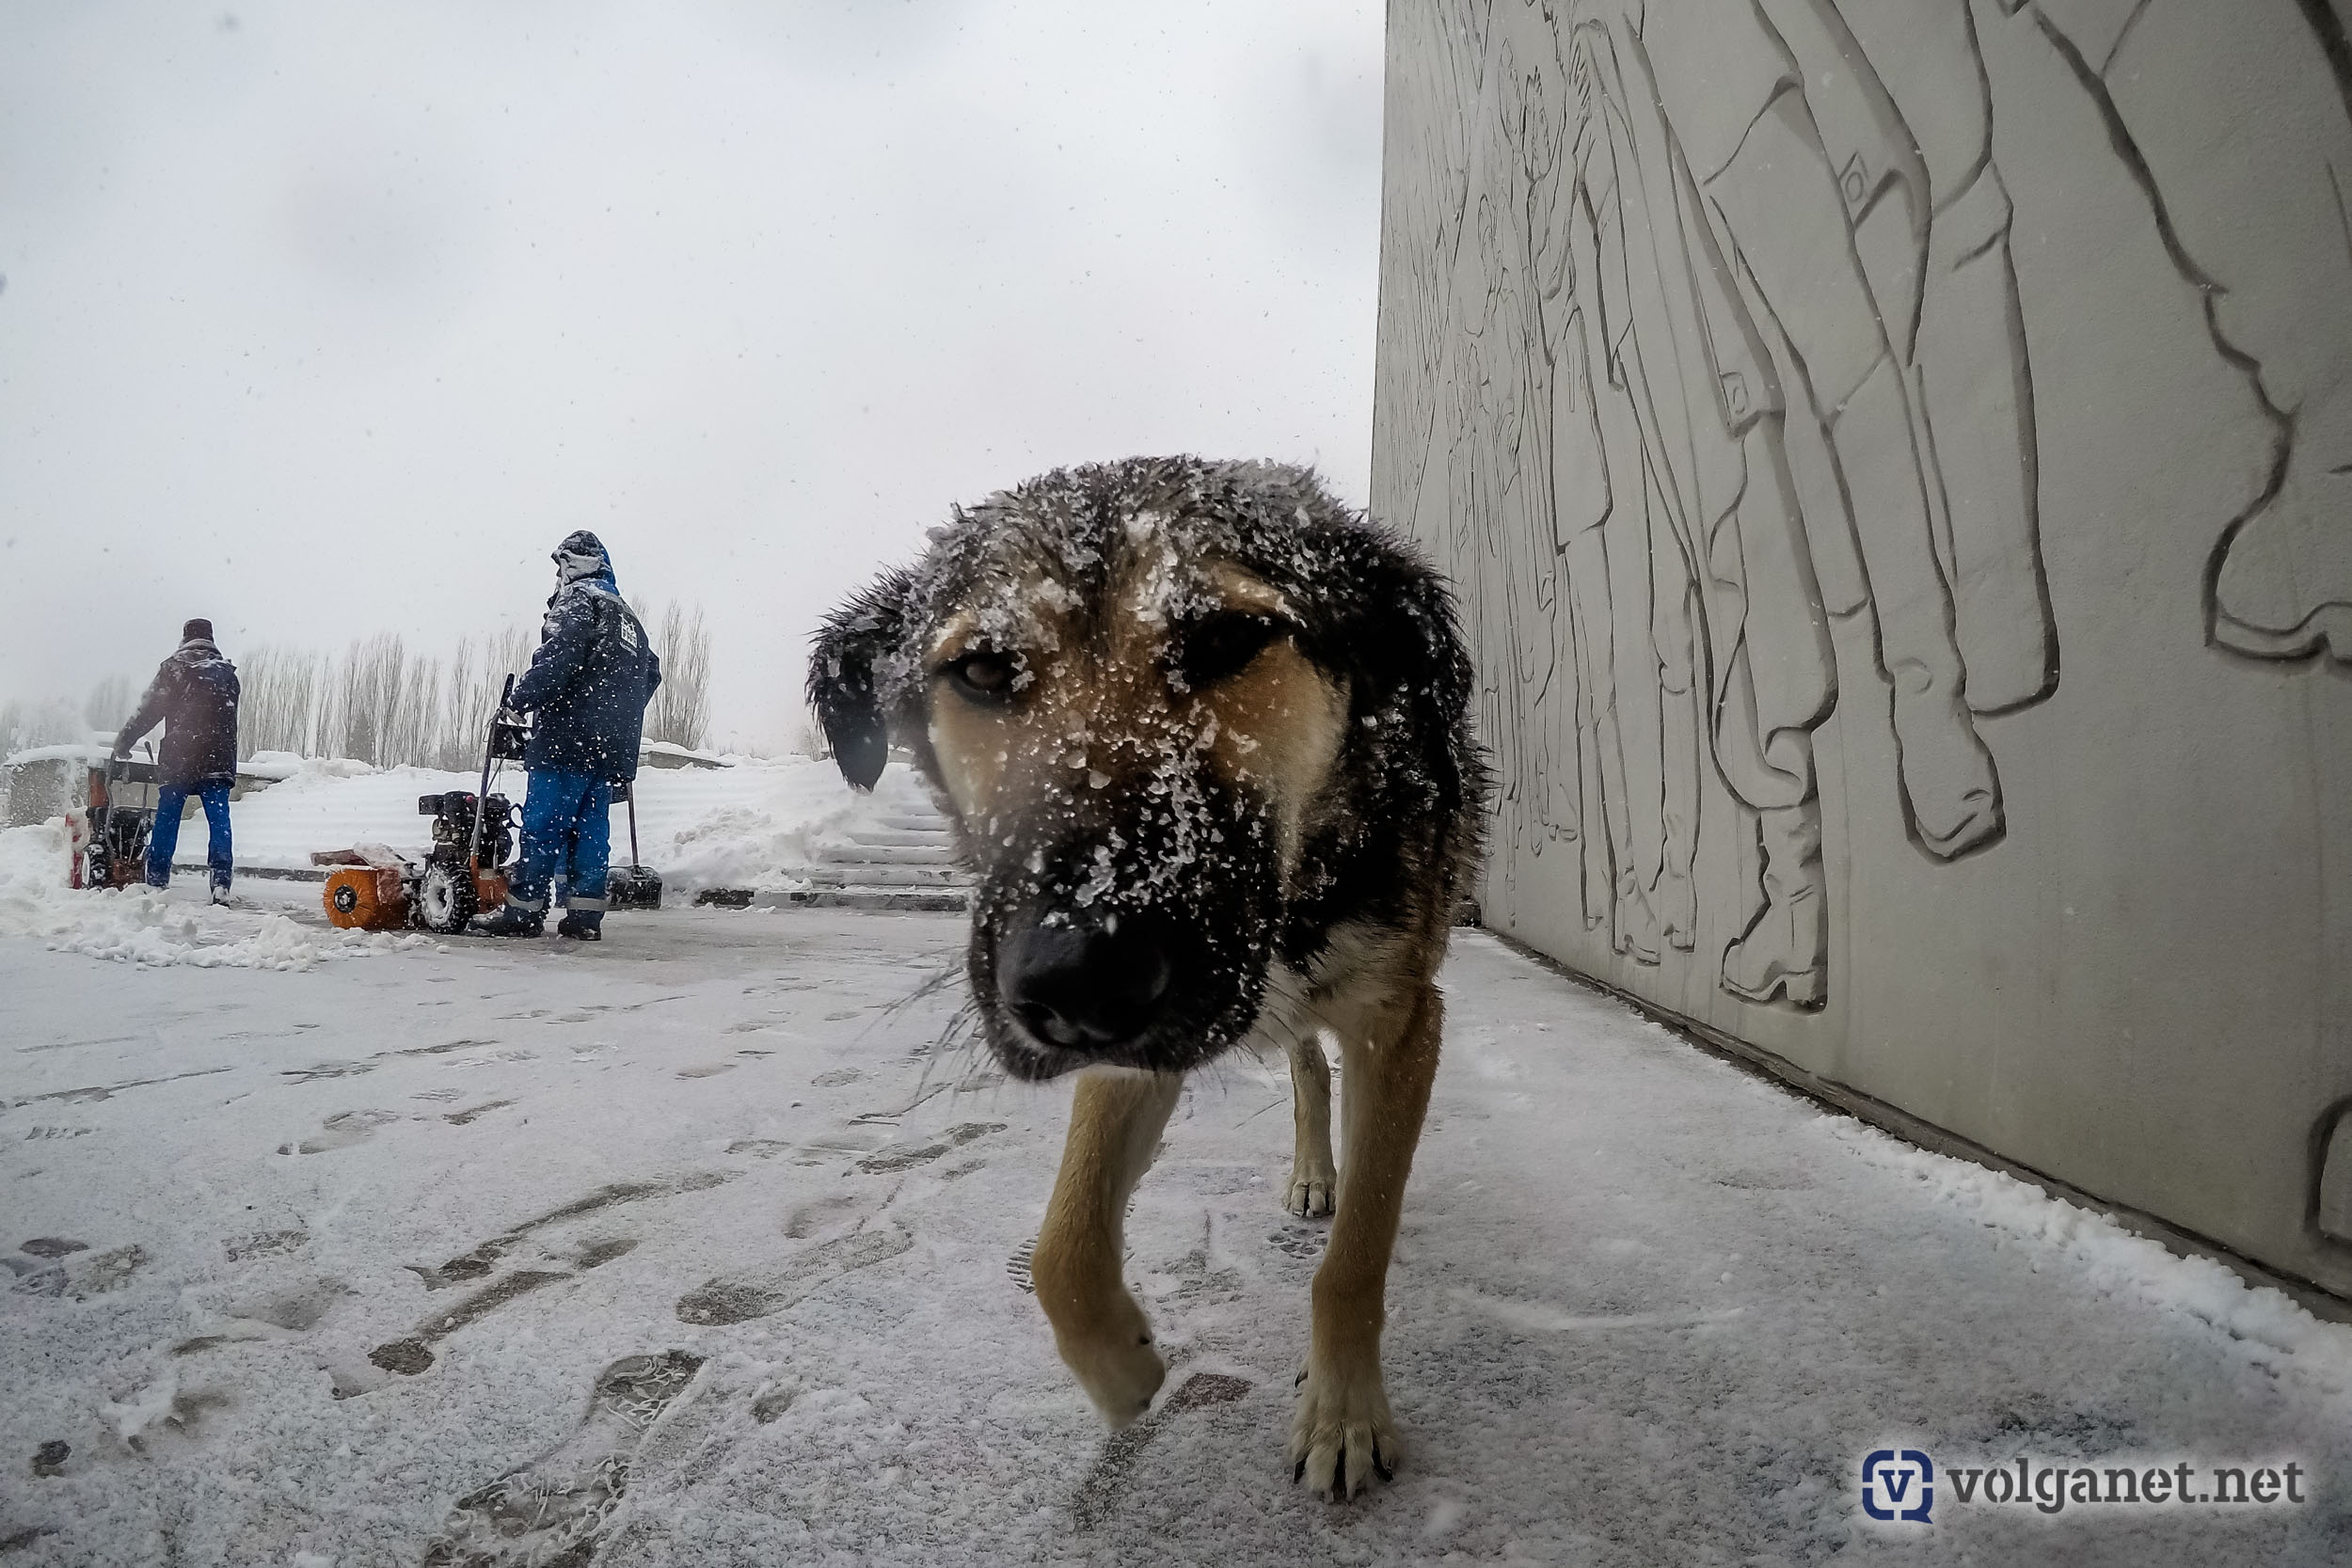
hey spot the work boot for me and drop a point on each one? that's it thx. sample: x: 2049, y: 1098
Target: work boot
x: 512, y: 920
x: 588, y: 927
x: 220, y: 893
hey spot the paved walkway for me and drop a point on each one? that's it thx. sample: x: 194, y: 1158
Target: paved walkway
x: 713, y: 1238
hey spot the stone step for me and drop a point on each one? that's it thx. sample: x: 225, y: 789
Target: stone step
x: 940, y: 900
x: 887, y: 854
x: 915, y: 837
x: 887, y: 876
x: 905, y: 899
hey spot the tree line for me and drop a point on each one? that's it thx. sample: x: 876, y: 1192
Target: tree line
x: 385, y: 703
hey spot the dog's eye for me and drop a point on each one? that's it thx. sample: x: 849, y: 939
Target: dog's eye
x: 1224, y: 647
x: 984, y: 676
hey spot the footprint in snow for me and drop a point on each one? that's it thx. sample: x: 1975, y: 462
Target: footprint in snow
x: 1101, y: 1489
x: 1302, y: 1241
x: 326, y: 1070
x: 907, y: 1159
x: 554, y: 1509
x: 721, y: 1302
x: 414, y: 1355
x: 59, y: 1273
x: 341, y: 1131
x: 263, y: 1243
x: 296, y: 1309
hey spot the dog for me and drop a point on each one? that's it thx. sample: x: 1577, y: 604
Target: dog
x: 1204, y: 735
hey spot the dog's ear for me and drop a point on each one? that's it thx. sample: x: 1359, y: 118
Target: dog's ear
x: 844, y: 678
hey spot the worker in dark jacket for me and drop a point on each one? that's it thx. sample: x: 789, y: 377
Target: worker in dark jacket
x: 194, y: 696
x: 587, y: 689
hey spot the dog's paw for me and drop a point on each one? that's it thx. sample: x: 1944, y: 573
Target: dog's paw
x: 1115, y: 1362
x: 1342, y: 1433
x: 1309, y: 1196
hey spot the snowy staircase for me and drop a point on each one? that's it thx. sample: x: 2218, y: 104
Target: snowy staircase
x: 907, y: 863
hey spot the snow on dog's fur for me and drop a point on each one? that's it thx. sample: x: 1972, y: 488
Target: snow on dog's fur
x: 1204, y: 735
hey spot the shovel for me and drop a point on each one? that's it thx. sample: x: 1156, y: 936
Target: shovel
x: 635, y: 888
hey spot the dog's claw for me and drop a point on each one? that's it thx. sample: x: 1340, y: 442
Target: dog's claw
x: 1310, y: 1197
x: 1343, y: 1434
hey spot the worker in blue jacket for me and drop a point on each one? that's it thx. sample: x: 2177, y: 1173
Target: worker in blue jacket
x: 586, y: 688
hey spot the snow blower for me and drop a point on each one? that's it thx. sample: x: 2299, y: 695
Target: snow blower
x: 473, y: 835
x: 120, y: 821
x: 633, y: 886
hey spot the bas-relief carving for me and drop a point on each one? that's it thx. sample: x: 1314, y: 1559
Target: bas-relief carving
x: 1699, y: 329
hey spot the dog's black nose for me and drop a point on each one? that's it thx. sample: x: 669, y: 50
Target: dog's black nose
x: 1085, y: 987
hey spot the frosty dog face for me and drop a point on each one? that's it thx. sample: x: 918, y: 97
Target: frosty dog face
x: 1140, y: 689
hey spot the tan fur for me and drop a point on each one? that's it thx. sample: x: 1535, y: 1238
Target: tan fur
x: 1314, y: 1179
x: 1103, y: 710
x: 1116, y: 1118
x: 1343, y: 1430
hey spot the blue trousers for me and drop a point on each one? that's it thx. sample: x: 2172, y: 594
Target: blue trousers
x: 170, y: 800
x: 568, y: 828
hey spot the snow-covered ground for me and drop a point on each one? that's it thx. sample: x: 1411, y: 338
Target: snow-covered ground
x: 709, y: 1242
x: 756, y: 824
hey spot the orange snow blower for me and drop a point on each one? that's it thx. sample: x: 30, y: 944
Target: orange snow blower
x: 120, y: 814
x: 376, y: 888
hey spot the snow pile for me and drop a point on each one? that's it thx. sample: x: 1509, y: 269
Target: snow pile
x: 759, y: 825
x: 280, y: 765
x: 142, y: 926
x: 327, y: 804
x: 753, y: 823
x: 70, y: 751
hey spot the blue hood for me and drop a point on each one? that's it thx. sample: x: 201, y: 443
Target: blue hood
x: 583, y: 557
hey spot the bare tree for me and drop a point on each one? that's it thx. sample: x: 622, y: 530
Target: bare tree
x: 44, y: 723
x: 377, y: 702
x: 278, y: 709
x: 109, y: 705
x: 680, y: 711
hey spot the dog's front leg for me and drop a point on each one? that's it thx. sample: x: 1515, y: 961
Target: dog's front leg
x: 1343, y: 1430
x: 1314, y: 1178
x: 1116, y: 1118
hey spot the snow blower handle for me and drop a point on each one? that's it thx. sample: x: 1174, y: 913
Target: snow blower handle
x: 481, y: 795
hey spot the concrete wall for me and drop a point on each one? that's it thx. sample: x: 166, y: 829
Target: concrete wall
x: 1896, y: 461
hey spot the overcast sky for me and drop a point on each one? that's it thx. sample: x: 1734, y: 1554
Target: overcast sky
x: 323, y: 319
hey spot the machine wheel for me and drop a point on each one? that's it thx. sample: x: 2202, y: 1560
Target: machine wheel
x: 345, y: 899
x: 445, y: 898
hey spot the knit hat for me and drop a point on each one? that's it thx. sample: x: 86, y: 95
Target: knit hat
x: 198, y: 628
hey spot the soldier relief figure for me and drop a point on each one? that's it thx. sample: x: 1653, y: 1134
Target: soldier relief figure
x: 1728, y: 347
